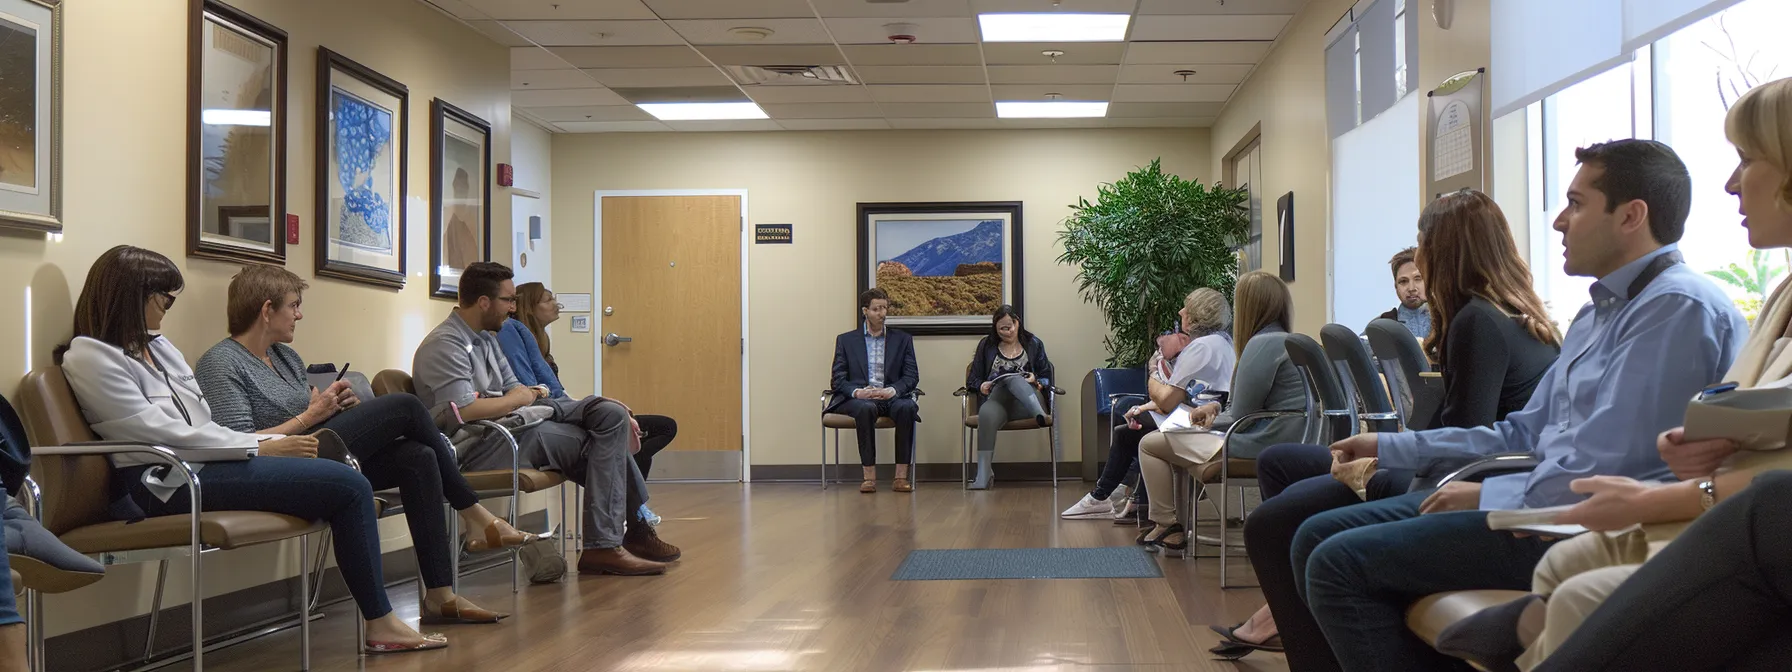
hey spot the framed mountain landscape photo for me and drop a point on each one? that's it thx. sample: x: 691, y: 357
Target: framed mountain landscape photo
x: 946, y: 266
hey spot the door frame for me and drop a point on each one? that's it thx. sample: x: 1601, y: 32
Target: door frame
x: 597, y: 311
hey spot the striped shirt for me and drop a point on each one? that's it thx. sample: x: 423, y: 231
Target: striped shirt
x: 874, y: 357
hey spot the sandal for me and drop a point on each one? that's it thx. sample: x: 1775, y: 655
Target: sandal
x: 496, y: 538
x: 431, y: 641
x: 1162, y: 540
x: 453, y: 612
x: 1145, y: 530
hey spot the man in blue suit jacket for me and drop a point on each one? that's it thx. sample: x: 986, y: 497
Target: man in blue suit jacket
x: 875, y: 376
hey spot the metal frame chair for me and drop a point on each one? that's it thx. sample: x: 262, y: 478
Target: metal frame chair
x: 839, y: 421
x: 1219, y: 471
x: 1327, y: 403
x: 970, y: 401
x: 1362, y: 383
x: 1402, y: 362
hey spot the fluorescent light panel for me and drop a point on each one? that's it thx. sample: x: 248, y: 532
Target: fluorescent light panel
x: 1054, y: 27
x: 222, y: 117
x: 1057, y: 109
x: 702, y: 111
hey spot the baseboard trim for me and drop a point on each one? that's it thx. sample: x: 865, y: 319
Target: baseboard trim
x: 927, y: 472
x: 119, y: 645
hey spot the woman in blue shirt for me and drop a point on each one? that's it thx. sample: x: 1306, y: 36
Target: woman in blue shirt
x: 524, y: 339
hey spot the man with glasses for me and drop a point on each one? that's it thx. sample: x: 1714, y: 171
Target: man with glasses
x: 462, y: 375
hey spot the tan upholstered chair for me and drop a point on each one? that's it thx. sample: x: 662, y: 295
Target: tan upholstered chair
x: 1430, y: 615
x: 840, y: 421
x: 970, y: 401
x: 71, y: 466
x: 512, y: 482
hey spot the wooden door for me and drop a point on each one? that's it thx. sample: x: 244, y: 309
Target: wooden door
x: 671, y: 284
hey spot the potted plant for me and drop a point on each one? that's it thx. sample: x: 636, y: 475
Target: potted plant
x: 1148, y: 240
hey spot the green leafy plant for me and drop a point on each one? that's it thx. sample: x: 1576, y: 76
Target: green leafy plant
x: 1148, y: 240
x: 1756, y: 279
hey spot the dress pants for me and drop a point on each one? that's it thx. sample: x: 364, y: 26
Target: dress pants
x: 865, y: 413
x: 587, y: 442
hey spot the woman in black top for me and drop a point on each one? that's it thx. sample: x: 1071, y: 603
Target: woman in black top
x: 1008, y: 368
x: 1490, y: 333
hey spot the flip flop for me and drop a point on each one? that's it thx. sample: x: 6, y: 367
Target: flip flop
x: 430, y: 641
x: 1230, y: 651
x: 1273, y: 644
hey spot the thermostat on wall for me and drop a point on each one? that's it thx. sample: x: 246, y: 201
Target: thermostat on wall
x: 581, y: 324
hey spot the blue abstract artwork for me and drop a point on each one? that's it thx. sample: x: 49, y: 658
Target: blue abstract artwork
x: 361, y: 150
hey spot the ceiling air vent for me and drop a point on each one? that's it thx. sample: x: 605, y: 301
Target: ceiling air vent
x: 791, y: 75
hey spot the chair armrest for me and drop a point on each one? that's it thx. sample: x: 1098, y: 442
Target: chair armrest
x: 86, y: 448
x: 1493, y: 465
x: 962, y: 392
x: 1259, y: 415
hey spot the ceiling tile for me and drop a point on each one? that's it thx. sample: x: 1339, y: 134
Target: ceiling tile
x: 728, y: 125
x: 1161, y: 122
x: 834, y: 124
x: 629, y: 57
x: 1053, y: 74
x: 911, y: 8
x: 731, y: 9
x: 929, y: 93
x: 596, y: 33
x: 1085, y: 122
x: 1133, y: 110
x: 921, y: 74
x: 784, y: 31
x: 645, y: 77
x: 563, y: 10
x: 1211, y: 27
x: 500, y: 34
x: 1076, y: 6
x: 808, y: 94
x: 945, y: 122
x: 1173, y: 93
x: 822, y: 110
x: 589, y: 113
x: 939, y: 110
x: 914, y: 54
x: 612, y: 126
x: 1205, y: 73
x: 1064, y: 91
x: 565, y: 97
x: 1075, y: 53
x: 457, y: 8
x: 682, y: 94
x: 819, y: 54
x: 564, y: 78
x: 1184, y: 53
x: 926, y: 30
x: 1214, y: 7
x: 534, y: 58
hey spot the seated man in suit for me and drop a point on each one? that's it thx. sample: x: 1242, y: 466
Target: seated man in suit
x: 875, y: 376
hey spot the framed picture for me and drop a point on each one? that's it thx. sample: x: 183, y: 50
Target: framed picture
x: 460, y: 204
x: 946, y: 266
x: 236, y: 132
x: 31, y: 115
x: 362, y: 119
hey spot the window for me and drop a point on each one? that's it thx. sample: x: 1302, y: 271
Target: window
x: 1680, y: 101
x: 1247, y: 172
x: 1357, y: 47
x: 1399, y: 49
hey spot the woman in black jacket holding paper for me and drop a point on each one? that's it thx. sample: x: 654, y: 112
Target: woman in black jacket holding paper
x: 1008, y: 369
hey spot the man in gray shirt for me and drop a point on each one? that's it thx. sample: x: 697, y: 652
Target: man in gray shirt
x: 461, y: 374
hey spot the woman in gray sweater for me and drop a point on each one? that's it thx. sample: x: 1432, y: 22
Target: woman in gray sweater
x: 1264, y: 381
x: 256, y: 383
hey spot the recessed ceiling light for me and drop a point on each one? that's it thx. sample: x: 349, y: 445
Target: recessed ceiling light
x: 702, y: 111
x: 1057, y: 109
x: 222, y: 117
x: 1054, y: 27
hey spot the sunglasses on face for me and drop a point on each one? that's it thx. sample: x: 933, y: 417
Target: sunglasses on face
x: 167, y: 300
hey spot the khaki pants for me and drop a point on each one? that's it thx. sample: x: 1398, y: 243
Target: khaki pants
x: 1577, y: 575
x: 1159, y: 454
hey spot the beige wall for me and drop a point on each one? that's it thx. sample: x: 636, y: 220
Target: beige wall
x: 801, y: 295
x: 1284, y: 98
x: 125, y: 142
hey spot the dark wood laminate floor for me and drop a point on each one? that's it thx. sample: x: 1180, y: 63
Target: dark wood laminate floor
x: 787, y: 577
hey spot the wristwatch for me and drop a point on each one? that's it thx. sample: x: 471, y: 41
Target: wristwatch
x: 1707, y: 494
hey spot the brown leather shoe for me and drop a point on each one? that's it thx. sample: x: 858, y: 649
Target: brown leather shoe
x: 868, y: 487
x: 617, y: 561
x: 903, y: 485
x: 643, y: 542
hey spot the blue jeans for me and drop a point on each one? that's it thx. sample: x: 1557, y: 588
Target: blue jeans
x: 9, y: 608
x: 312, y: 489
x: 1364, y: 564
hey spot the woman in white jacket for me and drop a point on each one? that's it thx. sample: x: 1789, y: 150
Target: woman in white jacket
x: 133, y: 385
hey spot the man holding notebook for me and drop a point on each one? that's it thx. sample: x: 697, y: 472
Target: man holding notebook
x: 1655, y: 333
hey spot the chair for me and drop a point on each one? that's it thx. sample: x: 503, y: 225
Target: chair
x: 1430, y: 615
x: 839, y: 421
x: 1327, y: 403
x: 1402, y: 361
x: 68, y: 461
x: 1362, y: 383
x: 1103, y: 390
x: 969, y: 401
x: 512, y: 482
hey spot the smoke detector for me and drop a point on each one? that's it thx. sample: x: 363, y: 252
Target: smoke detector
x: 901, y: 33
x: 751, y: 33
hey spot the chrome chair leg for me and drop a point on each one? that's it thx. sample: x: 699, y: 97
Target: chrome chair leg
x: 155, y: 608
x: 305, y: 605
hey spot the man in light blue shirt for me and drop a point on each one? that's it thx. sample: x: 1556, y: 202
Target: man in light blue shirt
x: 1655, y: 333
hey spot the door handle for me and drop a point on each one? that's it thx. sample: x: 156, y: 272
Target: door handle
x: 612, y: 339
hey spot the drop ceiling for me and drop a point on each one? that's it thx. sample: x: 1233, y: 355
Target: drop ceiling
x: 579, y: 66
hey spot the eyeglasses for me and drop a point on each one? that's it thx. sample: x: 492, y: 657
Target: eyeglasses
x: 168, y: 300
x: 507, y: 299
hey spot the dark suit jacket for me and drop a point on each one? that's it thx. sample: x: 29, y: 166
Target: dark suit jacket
x: 852, y: 369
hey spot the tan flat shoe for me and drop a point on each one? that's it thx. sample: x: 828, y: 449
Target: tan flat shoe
x: 499, y: 534
x: 454, y: 611
x: 903, y: 485
x: 430, y: 641
x: 869, y: 486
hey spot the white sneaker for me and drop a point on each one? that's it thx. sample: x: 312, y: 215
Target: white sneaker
x: 1089, y: 508
x: 1122, y: 495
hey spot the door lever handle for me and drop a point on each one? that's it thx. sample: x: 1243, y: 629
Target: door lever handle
x: 612, y: 339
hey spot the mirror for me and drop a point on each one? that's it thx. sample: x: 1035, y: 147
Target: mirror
x: 236, y: 200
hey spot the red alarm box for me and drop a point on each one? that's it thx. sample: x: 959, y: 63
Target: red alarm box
x: 506, y: 175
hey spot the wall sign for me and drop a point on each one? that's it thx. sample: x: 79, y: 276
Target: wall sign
x: 771, y: 234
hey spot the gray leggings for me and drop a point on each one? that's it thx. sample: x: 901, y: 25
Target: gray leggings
x: 1012, y: 398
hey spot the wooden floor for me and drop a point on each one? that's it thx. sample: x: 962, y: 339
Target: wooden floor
x: 785, y: 577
